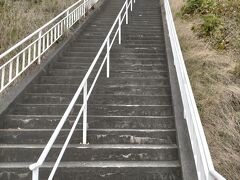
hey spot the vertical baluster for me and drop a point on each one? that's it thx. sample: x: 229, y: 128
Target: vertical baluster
x: 3, y: 77
x: 58, y: 26
x: 126, y: 12
x: 51, y: 36
x: 34, y: 50
x: 85, y: 114
x: 44, y: 42
x: 62, y: 23
x: 119, y: 30
x: 84, y: 8
x: 67, y: 19
x: 35, y: 174
x: 29, y: 55
x: 47, y: 39
x: 23, y: 60
x: 55, y: 33
x: 10, y: 71
x: 17, y: 66
x: 39, y: 46
x: 131, y: 5
x: 108, y: 57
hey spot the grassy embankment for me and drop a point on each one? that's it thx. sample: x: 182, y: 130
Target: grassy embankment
x: 18, y: 18
x: 209, y: 33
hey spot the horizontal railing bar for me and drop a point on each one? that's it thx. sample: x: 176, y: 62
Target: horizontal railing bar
x: 38, y: 30
x: 203, y: 162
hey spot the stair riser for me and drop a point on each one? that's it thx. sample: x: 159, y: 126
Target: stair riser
x: 105, y: 173
x: 93, y: 137
x: 89, y: 154
x: 115, y: 55
x: 133, y: 90
x: 50, y: 122
x: 107, y: 82
x: 113, y: 67
x: 114, y: 62
x: 77, y: 47
x: 75, y: 72
x: 94, y: 110
x: 100, y: 99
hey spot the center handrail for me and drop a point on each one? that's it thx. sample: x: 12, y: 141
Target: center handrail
x: 107, y: 43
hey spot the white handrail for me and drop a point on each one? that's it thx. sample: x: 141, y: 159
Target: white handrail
x: 108, y: 42
x: 36, y: 44
x: 202, y: 157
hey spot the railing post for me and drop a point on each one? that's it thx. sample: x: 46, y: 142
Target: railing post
x: 84, y: 8
x: 39, y: 46
x: 127, y: 12
x: 35, y: 174
x: 131, y: 5
x: 85, y: 114
x: 67, y: 25
x: 108, y: 57
x: 120, y: 31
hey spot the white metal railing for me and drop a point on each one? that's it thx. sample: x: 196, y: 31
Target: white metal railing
x: 29, y: 50
x: 107, y: 44
x: 202, y: 157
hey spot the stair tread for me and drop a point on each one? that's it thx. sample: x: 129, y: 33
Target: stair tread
x: 99, y: 164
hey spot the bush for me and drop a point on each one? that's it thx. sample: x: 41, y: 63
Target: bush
x: 211, y: 25
x: 191, y: 6
x: 202, y: 6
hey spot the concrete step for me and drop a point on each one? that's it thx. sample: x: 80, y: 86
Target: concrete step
x: 119, y: 67
x: 114, y: 90
x: 116, y: 61
x: 103, y: 81
x: 32, y: 98
x: 91, y: 55
x: 130, y: 74
x: 111, y: 122
x: 96, y: 109
x: 138, y: 170
x: 94, y: 136
x: 103, y: 152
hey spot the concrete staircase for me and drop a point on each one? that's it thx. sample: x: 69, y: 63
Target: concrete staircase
x: 132, y: 132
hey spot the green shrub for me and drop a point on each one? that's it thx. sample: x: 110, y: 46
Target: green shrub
x: 191, y: 6
x: 211, y: 24
x: 202, y: 6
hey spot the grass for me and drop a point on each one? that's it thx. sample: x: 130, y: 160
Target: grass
x: 19, y: 18
x: 213, y: 74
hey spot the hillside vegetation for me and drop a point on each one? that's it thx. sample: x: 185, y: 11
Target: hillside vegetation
x: 209, y: 33
x: 18, y: 18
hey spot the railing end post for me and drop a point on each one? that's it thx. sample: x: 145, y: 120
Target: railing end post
x: 35, y: 174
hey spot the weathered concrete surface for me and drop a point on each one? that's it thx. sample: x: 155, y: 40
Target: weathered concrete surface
x: 132, y: 118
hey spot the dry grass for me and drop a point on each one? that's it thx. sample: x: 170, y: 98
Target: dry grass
x: 18, y: 18
x: 217, y: 92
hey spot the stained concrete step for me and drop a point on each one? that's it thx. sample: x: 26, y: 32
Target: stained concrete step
x: 32, y: 98
x: 130, y: 74
x: 79, y: 48
x: 115, y: 55
x: 121, y: 67
x: 94, y: 136
x: 116, y: 90
x: 138, y: 170
x: 115, y: 61
x: 104, y: 81
x: 111, y: 122
x: 96, y: 109
x: 103, y: 152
